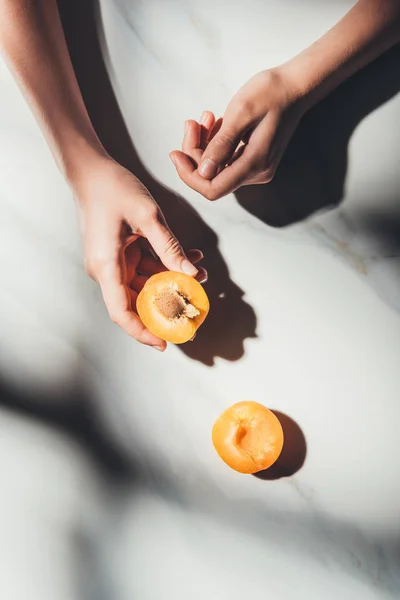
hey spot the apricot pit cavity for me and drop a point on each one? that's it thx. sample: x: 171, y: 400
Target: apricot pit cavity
x: 174, y: 305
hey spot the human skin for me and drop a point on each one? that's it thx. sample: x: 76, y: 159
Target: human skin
x: 123, y: 228
x: 121, y: 221
x: 246, y: 146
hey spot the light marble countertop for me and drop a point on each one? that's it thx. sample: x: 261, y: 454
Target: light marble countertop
x: 305, y: 293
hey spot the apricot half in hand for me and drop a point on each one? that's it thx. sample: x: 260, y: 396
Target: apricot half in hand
x: 248, y: 437
x: 172, y: 306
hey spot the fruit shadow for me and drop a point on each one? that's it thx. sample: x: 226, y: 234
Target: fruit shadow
x: 312, y: 175
x: 293, y: 453
x: 231, y: 320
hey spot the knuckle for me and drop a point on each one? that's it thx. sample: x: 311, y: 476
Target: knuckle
x: 267, y: 175
x: 184, y: 176
x: 95, y: 264
x: 223, y: 142
x: 245, y: 108
x: 117, y: 316
x: 148, y: 214
x: 88, y: 267
x: 268, y: 78
x: 253, y: 170
x: 262, y: 168
x: 114, y: 317
x: 172, y: 247
x: 211, y: 195
x: 141, y: 339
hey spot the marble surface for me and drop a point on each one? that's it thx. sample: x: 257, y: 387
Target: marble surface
x: 110, y: 486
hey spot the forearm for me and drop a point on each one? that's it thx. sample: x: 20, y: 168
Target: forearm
x: 33, y: 44
x: 369, y: 29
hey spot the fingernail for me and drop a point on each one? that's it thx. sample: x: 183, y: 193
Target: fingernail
x: 203, y: 118
x: 172, y: 158
x: 202, y: 275
x: 208, y: 168
x: 159, y: 348
x: 186, y: 126
x: 188, y: 268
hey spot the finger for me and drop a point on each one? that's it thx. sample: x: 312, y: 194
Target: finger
x: 207, y: 119
x: 213, y: 132
x: 149, y: 266
x: 238, y: 153
x: 201, y: 277
x: 133, y: 295
x: 195, y: 255
x: 191, y: 141
x: 167, y: 246
x: 198, y: 135
x: 246, y: 167
x: 138, y: 282
x: 227, y: 181
x: 117, y: 299
x: 207, y: 122
x: 247, y: 135
x: 185, y: 169
x: 132, y: 259
x: 146, y: 247
x: 261, y: 146
x: 221, y: 146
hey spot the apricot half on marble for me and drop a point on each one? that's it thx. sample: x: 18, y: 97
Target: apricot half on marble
x: 248, y: 437
x: 172, y: 306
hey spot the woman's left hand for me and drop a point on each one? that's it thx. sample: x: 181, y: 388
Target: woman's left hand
x: 246, y: 146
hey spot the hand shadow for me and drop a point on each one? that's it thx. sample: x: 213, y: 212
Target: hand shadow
x: 231, y: 319
x: 311, y: 176
x: 72, y: 411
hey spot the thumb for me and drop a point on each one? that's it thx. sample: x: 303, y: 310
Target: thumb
x: 167, y: 247
x: 219, y: 151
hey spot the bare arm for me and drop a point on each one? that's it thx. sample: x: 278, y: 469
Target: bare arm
x: 116, y: 208
x: 33, y: 43
x: 267, y: 109
x: 368, y: 30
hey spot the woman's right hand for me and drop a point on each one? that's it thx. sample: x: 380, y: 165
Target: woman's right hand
x: 119, y: 215
x: 124, y: 231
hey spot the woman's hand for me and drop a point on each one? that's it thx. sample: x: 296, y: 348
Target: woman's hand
x: 263, y: 115
x: 118, y: 213
x: 246, y: 146
x: 124, y: 231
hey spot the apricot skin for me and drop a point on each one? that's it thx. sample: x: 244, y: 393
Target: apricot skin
x: 182, y: 328
x: 248, y: 437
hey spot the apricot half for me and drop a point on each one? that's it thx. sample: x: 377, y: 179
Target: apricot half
x: 248, y: 437
x: 172, y: 306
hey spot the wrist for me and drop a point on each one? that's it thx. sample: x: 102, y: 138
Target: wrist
x: 296, y: 87
x: 310, y: 80
x: 77, y: 160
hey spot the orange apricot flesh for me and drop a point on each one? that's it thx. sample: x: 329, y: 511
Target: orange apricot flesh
x: 172, y: 306
x: 248, y: 437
